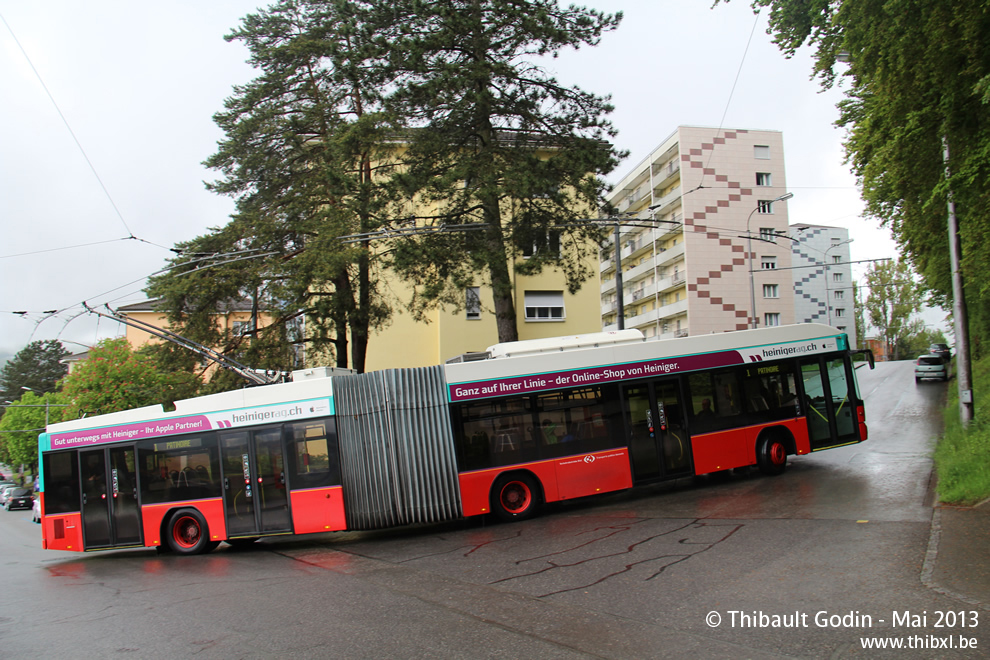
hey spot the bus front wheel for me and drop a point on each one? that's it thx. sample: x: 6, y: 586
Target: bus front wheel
x: 188, y: 533
x: 771, y: 455
x: 515, y: 497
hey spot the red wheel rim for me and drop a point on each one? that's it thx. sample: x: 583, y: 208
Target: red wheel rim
x: 516, y: 497
x: 777, y: 453
x: 187, y: 531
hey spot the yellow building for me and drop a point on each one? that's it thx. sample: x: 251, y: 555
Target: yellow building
x: 543, y: 306
x: 233, y: 318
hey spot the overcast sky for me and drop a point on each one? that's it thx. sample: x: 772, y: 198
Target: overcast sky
x: 138, y: 83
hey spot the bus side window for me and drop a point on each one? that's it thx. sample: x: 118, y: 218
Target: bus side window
x: 727, y: 397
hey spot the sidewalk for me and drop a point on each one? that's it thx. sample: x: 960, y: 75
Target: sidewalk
x: 958, y: 561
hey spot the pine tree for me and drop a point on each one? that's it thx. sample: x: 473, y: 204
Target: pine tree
x: 37, y: 367
x: 301, y: 144
x: 495, y: 140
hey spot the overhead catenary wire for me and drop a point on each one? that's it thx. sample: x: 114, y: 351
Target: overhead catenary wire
x: 68, y: 127
x: 728, y: 101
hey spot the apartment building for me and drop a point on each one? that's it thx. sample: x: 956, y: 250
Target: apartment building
x: 823, y: 281
x: 703, y: 237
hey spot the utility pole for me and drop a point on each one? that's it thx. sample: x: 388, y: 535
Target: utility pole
x: 959, y: 317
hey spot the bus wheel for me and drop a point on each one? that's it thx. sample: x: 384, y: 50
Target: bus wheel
x: 515, y: 497
x: 771, y: 455
x: 188, y: 533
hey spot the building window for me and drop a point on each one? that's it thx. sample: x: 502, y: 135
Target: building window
x: 764, y: 206
x: 544, y: 305
x: 771, y: 319
x: 840, y: 312
x: 770, y: 291
x: 768, y: 234
x: 472, y: 302
x: 241, y: 328
x: 768, y: 263
x: 836, y: 277
x: 548, y: 242
x: 836, y: 259
x: 763, y: 179
x: 841, y: 328
x: 761, y: 151
x: 838, y: 295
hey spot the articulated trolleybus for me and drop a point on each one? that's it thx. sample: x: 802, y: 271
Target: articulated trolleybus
x: 500, y: 432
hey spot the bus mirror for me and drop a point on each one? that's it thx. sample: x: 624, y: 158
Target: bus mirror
x: 867, y: 354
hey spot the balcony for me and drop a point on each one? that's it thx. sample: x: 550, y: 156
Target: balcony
x: 666, y: 203
x: 651, y: 317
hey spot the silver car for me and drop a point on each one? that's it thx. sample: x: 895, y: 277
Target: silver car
x: 931, y: 366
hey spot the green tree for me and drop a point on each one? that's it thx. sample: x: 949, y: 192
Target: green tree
x: 917, y: 73
x: 306, y: 156
x: 116, y: 378
x: 893, y: 299
x: 22, y: 423
x: 37, y: 367
x: 919, y: 338
x: 497, y: 141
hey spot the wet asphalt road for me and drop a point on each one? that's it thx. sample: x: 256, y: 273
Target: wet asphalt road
x: 640, y: 574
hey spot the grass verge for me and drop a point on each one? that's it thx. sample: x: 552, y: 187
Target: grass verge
x: 962, y: 457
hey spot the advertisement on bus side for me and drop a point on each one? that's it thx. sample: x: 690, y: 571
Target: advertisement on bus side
x: 270, y: 414
x: 497, y: 387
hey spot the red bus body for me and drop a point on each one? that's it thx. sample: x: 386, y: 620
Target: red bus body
x: 534, y: 422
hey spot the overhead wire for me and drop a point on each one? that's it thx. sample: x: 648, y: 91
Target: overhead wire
x: 68, y: 127
x: 728, y: 101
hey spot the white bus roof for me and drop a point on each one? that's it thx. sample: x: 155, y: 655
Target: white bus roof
x: 512, y: 363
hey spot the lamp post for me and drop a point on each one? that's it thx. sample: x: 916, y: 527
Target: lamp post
x: 749, y: 253
x: 47, y: 404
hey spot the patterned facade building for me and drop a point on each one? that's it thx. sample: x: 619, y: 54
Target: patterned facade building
x: 823, y: 277
x: 703, y: 235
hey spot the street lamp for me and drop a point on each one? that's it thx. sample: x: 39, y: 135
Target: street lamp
x: 749, y: 251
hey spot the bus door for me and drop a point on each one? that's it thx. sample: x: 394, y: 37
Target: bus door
x: 255, y: 494
x: 659, y: 446
x: 110, y: 514
x: 830, y: 402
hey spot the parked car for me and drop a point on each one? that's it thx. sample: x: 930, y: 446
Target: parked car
x: 19, y: 498
x: 942, y: 350
x: 5, y: 490
x: 931, y: 366
x: 36, y: 510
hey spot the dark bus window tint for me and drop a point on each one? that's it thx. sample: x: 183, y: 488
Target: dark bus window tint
x: 574, y: 422
x: 701, y: 393
x: 728, y: 397
x: 313, y: 458
x: 185, y: 468
x: 529, y: 428
x: 770, y: 391
x: 61, y: 482
x: 490, y: 433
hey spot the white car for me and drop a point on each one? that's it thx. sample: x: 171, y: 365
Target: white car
x: 5, y: 492
x: 931, y: 366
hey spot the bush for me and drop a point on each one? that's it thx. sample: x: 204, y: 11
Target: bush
x: 962, y: 457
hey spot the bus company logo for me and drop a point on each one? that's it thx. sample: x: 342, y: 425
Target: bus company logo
x: 756, y: 358
x: 589, y: 459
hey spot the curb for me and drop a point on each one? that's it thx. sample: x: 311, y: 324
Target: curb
x: 931, y: 558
